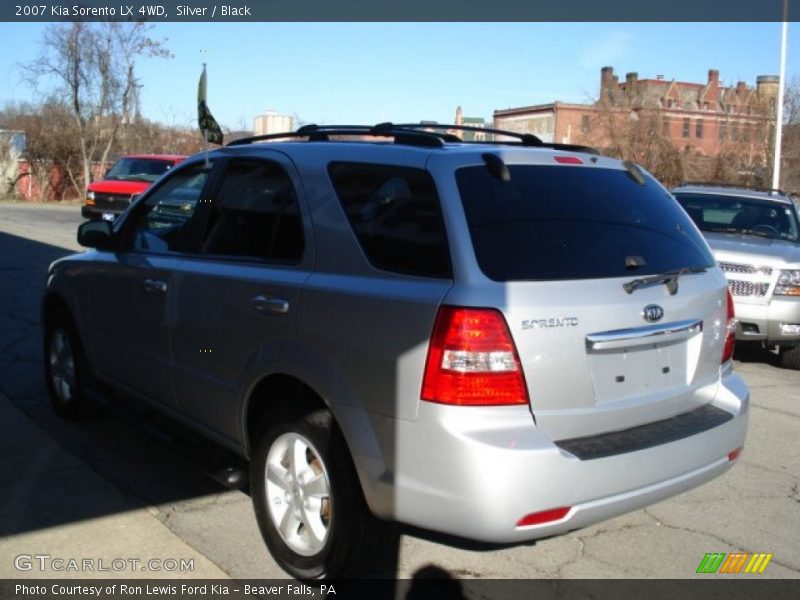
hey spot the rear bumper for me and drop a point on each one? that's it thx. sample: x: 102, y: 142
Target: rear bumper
x: 475, y: 472
x: 762, y: 322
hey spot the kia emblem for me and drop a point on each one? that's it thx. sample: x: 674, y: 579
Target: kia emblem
x: 652, y: 313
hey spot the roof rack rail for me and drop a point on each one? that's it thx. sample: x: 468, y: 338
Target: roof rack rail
x: 735, y: 185
x: 322, y: 133
x: 414, y: 134
x: 526, y: 139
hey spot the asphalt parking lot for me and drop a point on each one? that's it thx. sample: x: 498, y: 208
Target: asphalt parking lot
x: 130, y: 484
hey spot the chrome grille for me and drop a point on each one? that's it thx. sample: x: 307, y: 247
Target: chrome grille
x: 747, y: 288
x: 729, y: 267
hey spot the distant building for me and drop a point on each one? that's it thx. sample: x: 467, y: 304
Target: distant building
x: 702, y: 118
x: 471, y: 136
x: 272, y: 122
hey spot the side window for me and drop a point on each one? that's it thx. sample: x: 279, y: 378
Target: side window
x: 257, y: 214
x: 396, y: 216
x: 161, y: 223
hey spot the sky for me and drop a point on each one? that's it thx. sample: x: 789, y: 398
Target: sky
x: 364, y: 73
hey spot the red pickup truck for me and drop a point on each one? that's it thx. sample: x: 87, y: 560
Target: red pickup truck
x: 129, y: 177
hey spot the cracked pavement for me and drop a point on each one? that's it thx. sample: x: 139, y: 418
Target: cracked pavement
x: 176, y: 480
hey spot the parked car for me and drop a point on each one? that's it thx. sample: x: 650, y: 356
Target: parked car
x: 499, y: 341
x: 129, y: 177
x: 755, y: 237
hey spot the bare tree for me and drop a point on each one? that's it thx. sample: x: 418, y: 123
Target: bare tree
x: 637, y: 134
x: 54, y: 161
x: 93, y: 66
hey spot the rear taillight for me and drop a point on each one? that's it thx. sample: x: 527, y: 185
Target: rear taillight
x: 730, y: 331
x: 472, y: 360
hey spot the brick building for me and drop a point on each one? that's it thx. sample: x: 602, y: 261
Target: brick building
x: 701, y: 118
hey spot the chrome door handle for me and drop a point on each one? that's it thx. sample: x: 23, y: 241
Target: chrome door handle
x: 271, y: 304
x: 155, y: 286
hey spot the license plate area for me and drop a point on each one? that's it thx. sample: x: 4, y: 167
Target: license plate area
x: 626, y: 373
x: 106, y: 216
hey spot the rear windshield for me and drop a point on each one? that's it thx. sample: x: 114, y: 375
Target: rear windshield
x: 557, y: 223
x: 720, y: 213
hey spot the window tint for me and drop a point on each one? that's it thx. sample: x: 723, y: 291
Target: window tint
x: 730, y: 214
x: 257, y: 214
x: 555, y: 223
x: 162, y: 221
x: 396, y: 216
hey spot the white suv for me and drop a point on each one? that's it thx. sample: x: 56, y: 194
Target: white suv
x: 755, y: 237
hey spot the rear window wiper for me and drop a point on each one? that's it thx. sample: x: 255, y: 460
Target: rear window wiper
x: 668, y: 278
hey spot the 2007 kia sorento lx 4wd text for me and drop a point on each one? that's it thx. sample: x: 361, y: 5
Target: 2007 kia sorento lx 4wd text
x: 500, y: 341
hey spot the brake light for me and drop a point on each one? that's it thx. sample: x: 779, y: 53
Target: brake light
x: 730, y: 331
x: 568, y: 160
x: 472, y: 360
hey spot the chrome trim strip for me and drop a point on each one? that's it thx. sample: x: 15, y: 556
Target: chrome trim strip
x: 640, y: 336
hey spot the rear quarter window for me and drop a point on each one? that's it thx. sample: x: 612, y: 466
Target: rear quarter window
x: 396, y: 216
x: 559, y: 223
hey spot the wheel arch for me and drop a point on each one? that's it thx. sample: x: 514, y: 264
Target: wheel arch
x: 265, y: 400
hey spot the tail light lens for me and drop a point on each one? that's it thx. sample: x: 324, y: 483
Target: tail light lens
x: 472, y: 360
x: 730, y: 332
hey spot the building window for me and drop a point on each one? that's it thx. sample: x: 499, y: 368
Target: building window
x: 746, y: 132
x: 698, y: 129
x: 735, y: 133
x: 687, y: 126
x: 586, y: 123
x: 723, y: 132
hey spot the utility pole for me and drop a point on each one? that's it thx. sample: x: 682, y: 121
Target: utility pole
x: 776, y: 168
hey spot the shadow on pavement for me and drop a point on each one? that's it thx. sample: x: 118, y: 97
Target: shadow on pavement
x: 149, y: 458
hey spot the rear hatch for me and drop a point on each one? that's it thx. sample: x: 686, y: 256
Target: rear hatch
x: 571, y: 251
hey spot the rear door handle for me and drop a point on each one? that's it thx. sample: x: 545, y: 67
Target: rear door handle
x: 155, y: 286
x: 271, y: 304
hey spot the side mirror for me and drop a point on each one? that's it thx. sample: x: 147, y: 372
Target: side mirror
x: 96, y: 234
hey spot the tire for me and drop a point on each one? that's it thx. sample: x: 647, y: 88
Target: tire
x: 790, y: 358
x: 65, y: 367
x: 320, y: 527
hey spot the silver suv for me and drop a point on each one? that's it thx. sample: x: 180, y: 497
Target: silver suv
x: 755, y: 237
x: 499, y: 341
